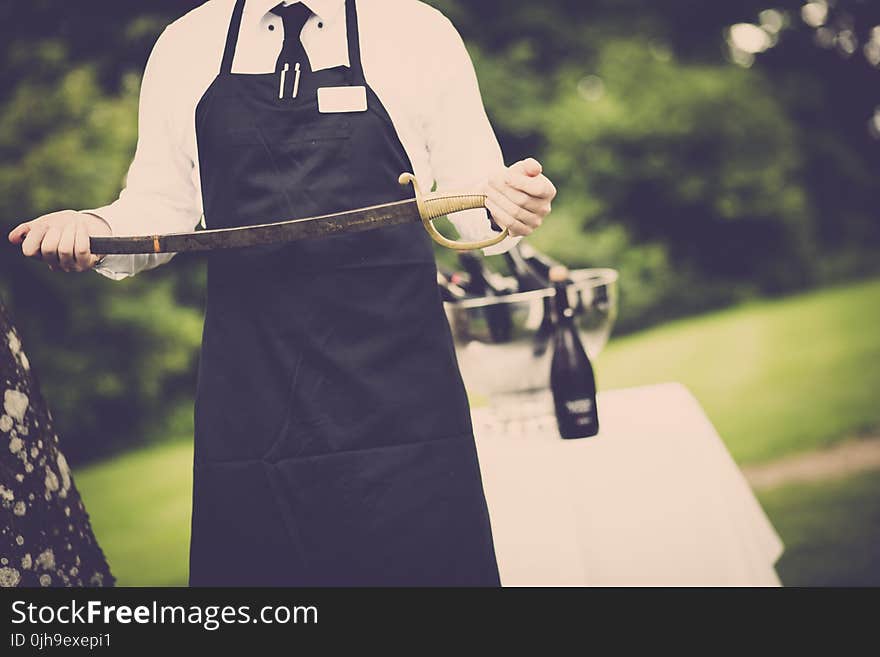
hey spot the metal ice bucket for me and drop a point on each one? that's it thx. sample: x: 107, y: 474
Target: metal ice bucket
x: 503, y: 343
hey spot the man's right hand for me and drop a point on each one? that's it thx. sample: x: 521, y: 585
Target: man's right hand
x: 61, y: 239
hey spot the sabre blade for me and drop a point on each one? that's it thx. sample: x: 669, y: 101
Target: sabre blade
x: 352, y: 221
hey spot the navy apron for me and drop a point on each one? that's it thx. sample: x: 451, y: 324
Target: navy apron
x: 333, y: 440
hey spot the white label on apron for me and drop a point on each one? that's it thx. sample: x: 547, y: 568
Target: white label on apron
x: 342, y: 99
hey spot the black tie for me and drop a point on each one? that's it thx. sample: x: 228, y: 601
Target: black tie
x: 292, y: 52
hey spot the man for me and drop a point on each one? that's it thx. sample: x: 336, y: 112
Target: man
x: 333, y: 439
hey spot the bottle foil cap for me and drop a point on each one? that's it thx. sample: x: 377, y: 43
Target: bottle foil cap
x: 558, y: 274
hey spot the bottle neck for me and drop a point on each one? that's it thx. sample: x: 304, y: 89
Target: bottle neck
x: 564, y: 313
x: 473, y: 266
x: 527, y: 276
x: 539, y: 263
x: 451, y: 291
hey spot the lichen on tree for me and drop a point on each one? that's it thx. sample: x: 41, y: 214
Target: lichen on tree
x: 46, y: 538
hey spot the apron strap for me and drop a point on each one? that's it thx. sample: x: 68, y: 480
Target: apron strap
x: 232, y: 37
x: 354, y: 44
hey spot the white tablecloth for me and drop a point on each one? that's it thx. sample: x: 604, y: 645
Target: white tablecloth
x: 654, y: 499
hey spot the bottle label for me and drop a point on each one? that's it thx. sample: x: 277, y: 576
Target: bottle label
x: 579, y: 406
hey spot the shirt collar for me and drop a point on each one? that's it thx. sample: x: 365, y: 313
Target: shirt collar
x: 324, y: 9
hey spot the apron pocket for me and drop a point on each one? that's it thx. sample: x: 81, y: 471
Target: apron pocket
x: 305, y: 128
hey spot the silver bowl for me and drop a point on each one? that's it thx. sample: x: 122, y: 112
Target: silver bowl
x: 504, y: 343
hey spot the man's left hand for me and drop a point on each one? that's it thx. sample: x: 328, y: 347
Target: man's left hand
x: 519, y: 197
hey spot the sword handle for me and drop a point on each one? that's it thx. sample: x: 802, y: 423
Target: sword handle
x: 438, y: 204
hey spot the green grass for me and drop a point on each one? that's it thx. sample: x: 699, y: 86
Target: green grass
x: 139, y: 505
x: 831, y: 531
x: 775, y: 378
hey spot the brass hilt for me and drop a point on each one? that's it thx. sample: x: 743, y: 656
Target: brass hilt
x: 437, y: 204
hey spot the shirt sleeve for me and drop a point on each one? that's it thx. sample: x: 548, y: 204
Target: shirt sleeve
x: 159, y: 194
x: 462, y: 145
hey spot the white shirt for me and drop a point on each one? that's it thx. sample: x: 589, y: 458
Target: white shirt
x: 413, y: 58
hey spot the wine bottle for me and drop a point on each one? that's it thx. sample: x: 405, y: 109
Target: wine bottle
x: 538, y: 262
x: 571, y: 374
x: 449, y: 290
x: 484, y: 283
x: 527, y: 277
x: 545, y: 330
x: 532, y: 270
x: 459, y: 278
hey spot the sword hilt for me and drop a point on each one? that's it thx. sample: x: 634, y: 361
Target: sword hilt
x: 438, y: 204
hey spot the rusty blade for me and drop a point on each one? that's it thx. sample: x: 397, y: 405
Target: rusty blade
x: 351, y: 221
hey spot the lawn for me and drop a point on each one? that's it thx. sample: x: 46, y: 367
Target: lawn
x: 775, y: 378
x: 831, y: 531
x: 139, y: 504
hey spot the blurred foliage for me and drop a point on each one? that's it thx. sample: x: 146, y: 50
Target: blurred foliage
x: 705, y: 183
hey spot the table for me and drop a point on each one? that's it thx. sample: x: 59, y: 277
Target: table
x: 654, y: 500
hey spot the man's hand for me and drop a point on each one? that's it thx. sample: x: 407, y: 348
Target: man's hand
x: 519, y: 197
x: 61, y: 239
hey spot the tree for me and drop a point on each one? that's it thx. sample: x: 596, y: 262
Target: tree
x: 45, y: 535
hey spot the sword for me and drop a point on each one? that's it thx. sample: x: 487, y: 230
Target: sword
x: 424, y: 208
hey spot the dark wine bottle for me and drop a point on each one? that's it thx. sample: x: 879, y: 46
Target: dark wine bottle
x: 532, y: 270
x: 458, y: 278
x: 538, y: 262
x: 571, y: 373
x: 527, y: 277
x: 545, y: 331
x: 449, y: 291
x: 484, y: 283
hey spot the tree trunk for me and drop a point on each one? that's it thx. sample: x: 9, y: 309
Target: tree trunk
x: 45, y: 535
